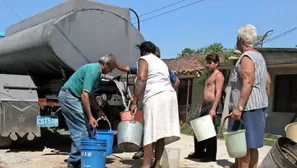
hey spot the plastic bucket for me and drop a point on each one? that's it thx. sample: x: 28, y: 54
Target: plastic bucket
x: 93, y: 153
x: 107, y: 135
x: 291, y: 131
x: 126, y: 115
x: 235, y: 142
x: 203, y: 128
x: 171, y: 158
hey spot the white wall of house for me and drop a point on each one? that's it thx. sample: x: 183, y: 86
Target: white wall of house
x: 277, y: 121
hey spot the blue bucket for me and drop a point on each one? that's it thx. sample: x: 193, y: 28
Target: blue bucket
x: 93, y: 153
x: 107, y: 135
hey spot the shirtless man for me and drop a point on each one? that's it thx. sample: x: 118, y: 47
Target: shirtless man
x: 206, y: 151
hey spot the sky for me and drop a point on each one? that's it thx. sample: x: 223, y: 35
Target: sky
x: 195, y: 26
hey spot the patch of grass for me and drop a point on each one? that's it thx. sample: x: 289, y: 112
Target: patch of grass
x: 269, y: 142
x: 271, y: 136
x: 186, y: 128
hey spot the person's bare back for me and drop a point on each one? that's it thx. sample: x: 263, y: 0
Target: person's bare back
x: 210, y: 86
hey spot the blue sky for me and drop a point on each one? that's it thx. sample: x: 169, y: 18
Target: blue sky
x: 195, y: 26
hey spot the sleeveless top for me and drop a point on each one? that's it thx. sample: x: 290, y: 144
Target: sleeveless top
x: 158, y: 79
x: 258, y: 97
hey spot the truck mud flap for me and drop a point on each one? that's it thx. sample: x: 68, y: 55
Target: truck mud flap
x: 19, y: 117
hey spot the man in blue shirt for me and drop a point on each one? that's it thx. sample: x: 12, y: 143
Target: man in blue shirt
x: 75, y: 103
x: 133, y: 70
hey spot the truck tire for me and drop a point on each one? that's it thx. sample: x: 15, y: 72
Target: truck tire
x: 5, y: 142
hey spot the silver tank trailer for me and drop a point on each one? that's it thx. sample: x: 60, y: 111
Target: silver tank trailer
x: 69, y: 35
x: 34, y: 50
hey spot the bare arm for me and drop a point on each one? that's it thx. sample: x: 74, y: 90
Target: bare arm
x: 86, y: 103
x: 247, y: 73
x: 94, y: 103
x: 176, y: 84
x: 141, y: 79
x: 268, y: 82
x: 122, y: 67
x: 219, y: 83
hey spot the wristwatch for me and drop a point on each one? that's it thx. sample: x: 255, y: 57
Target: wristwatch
x: 240, y: 108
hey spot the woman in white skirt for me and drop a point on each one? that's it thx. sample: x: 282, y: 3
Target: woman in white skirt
x: 160, y: 107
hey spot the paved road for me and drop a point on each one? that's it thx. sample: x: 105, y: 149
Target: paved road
x: 42, y: 151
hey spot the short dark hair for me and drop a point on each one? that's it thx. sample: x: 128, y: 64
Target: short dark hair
x: 147, y: 47
x: 213, y: 58
x: 158, y: 51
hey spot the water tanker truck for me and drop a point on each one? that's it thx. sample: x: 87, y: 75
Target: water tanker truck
x: 38, y: 54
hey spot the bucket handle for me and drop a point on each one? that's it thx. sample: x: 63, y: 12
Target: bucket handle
x: 101, y: 118
x: 229, y: 116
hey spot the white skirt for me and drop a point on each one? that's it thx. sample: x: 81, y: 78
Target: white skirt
x: 161, y: 118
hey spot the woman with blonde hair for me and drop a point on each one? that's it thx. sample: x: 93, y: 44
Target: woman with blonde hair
x: 248, y: 99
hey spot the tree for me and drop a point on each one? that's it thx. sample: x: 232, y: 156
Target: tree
x: 212, y: 48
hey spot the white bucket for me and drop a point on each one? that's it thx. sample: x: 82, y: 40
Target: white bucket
x: 203, y: 128
x: 171, y: 158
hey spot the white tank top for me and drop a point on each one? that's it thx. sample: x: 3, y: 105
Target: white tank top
x: 158, y: 79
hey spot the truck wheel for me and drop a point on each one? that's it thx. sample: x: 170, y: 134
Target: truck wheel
x: 5, y: 142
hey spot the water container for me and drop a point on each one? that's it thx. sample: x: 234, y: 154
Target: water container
x: 203, y: 128
x: 107, y: 135
x: 291, y: 131
x: 283, y: 154
x: 235, y: 142
x: 126, y: 115
x: 171, y: 158
x: 93, y: 153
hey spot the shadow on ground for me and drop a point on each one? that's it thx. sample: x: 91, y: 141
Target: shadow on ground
x: 224, y: 162
x: 131, y: 162
x: 60, y: 144
x: 220, y: 162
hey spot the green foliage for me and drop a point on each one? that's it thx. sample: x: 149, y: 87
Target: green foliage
x: 203, y: 76
x: 186, y: 128
x: 201, y: 53
x: 212, y: 48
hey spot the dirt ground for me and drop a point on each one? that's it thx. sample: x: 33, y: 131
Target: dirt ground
x: 52, y: 150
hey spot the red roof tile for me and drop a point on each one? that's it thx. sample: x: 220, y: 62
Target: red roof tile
x: 183, y: 64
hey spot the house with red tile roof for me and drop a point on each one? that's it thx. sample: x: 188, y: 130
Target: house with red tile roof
x: 189, y: 92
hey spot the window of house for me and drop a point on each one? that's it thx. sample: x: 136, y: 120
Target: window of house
x: 285, y: 93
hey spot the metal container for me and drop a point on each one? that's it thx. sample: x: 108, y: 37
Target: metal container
x: 129, y: 135
x: 68, y: 36
x: 283, y: 154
